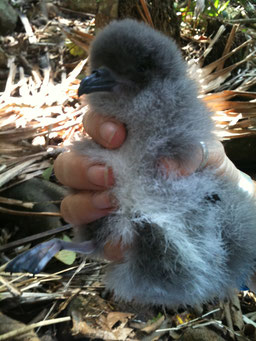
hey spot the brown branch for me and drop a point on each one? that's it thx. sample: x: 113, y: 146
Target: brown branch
x: 228, y: 46
x: 147, y: 13
x: 35, y: 237
x: 26, y: 213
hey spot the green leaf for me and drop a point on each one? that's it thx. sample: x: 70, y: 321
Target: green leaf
x: 223, y: 7
x: 74, y: 50
x: 65, y: 256
x: 47, y: 173
x: 154, y: 319
x: 216, y: 4
x: 183, y: 9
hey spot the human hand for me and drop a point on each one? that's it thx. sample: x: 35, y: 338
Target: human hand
x: 93, y: 181
x: 212, y: 154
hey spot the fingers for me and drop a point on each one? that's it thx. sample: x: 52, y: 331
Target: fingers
x: 92, y: 201
x: 106, y: 131
x: 216, y: 156
x: 85, y: 207
x: 182, y: 168
x: 81, y: 173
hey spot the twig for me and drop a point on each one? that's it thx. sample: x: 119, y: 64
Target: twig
x: 10, y: 287
x: 228, y: 45
x: 72, y: 75
x: 67, y: 10
x: 213, y: 41
x: 15, y: 202
x: 242, y: 21
x: 35, y: 237
x: 31, y: 37
x: 8, y: 175
x: 147, y: 13
x: 26, y: 213
x: 78, y: 269
x: 228, y: 69
x: 229, y: 322
x: 249, y: 321
x: 183, y: 325
x: 210, y: 67
x: 11, y: 76
x: 141, y: 13
x: 21, y: 331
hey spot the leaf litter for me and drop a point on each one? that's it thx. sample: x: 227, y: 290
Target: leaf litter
x: 40, y: 115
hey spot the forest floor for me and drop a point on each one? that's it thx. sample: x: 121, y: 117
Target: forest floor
x: 40, y: 115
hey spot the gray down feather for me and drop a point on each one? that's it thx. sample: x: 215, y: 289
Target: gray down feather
x: 191, y: 238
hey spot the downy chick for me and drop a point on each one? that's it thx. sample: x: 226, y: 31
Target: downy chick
x: 190, y: 239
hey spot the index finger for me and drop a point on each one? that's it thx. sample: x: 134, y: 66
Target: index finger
x: 106, y: 131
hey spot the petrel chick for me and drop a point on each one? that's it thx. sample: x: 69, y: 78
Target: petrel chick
x: 187, y: 239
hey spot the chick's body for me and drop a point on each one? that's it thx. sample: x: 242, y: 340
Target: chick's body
x: 190, y: 238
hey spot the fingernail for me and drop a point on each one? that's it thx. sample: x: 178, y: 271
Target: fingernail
x: 108, y: 131
x: 102, y: 200
x: 108, y: 177
x: 100, y: 176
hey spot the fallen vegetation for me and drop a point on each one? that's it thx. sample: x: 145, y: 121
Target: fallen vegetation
x: 40, y: 115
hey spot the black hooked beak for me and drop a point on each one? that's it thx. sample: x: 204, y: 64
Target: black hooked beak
x: 99, y: 80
